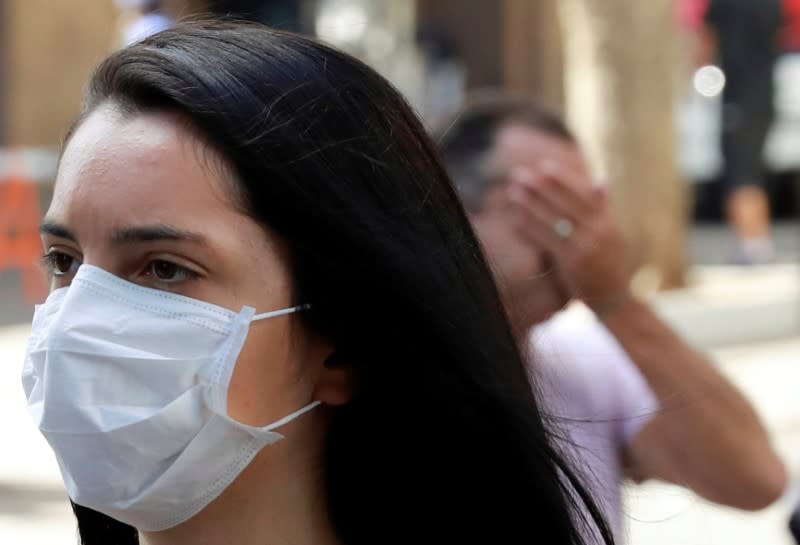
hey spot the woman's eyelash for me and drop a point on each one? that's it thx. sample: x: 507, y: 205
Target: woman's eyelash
x: 56, y: 263
x: 185, y: 273
x: 48, y: 260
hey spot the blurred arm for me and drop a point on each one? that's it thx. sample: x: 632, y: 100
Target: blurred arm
x: 705, y: 436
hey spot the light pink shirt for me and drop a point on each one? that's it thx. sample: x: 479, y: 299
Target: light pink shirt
x: 599, y: 399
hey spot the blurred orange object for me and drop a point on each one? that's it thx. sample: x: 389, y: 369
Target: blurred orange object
x: 20, y: 246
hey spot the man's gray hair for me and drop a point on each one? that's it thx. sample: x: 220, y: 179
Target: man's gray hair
x: 466, y: 140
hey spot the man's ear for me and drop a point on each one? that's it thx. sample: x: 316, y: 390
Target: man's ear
x: 336, y: 384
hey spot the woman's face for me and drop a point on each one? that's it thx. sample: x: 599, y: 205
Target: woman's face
x: 140, y: 197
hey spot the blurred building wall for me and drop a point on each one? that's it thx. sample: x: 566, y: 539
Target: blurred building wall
x: 476, y: 27
x: 52, y: 46
x: 3, y: 70
x: 49, y: 48
x: 533, y: 53
x: 514, y: 44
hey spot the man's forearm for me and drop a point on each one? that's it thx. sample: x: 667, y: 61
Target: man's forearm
x: 712, y: 438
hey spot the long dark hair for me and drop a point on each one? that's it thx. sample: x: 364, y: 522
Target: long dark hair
x: 443, y: 442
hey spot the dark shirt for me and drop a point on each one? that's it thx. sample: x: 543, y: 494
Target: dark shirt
x: 747, y: 32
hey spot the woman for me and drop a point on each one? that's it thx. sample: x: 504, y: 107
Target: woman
x: 219, y: 171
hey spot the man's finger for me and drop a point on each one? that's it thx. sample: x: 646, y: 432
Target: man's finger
x: 569, y: 184
x: 539, y: 224
x: 553, y: 191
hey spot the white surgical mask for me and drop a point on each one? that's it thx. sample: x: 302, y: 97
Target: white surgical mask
x: 129, y: 385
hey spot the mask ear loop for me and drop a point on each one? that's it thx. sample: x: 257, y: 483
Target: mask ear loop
x: 311, y: 405
x: 282, y: 312
x: 288, y: 418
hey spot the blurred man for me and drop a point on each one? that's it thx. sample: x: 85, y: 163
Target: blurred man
x: 743, y: 37
x: 635, y: 400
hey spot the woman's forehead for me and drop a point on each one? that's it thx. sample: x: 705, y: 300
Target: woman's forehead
x: 147, y: 163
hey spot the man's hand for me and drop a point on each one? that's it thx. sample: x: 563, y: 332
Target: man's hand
x: 523, y: 273
x: 568, y: 217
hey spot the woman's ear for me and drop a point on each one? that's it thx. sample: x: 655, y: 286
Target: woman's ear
x: 336, y: 384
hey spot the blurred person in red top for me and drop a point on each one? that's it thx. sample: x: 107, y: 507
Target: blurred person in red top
x: 690, y: 13
x: 790, y: 34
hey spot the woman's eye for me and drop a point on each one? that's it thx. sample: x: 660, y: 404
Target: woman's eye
x: 59, y: 263
x: 166, y: 271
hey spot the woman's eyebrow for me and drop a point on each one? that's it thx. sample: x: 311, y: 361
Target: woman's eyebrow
x: 56, y: 230
x: 124, y: 235
x: 150, y: 233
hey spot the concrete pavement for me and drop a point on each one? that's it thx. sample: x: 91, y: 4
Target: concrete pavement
x: 725, y: 306
x: 658, y: 514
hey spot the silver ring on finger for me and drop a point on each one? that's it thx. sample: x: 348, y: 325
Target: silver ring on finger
x: 563, y: 228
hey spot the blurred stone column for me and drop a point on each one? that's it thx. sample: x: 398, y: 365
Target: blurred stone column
x: 50, y: 50
x: 621, y: 66
x: 533, y: 59
x: 183, y: 8
x: 4, y: 70
x: 476, y: 28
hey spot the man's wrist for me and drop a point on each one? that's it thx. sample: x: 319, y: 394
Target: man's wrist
x: 605, y: 307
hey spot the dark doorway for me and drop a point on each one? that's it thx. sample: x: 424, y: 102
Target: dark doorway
x: 281, y: 14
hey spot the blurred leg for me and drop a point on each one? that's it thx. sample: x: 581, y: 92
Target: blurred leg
x: 748, y: 212
x: 747, y: 205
